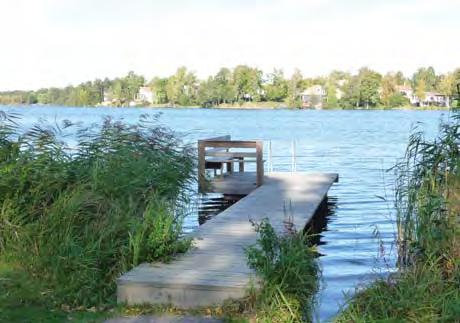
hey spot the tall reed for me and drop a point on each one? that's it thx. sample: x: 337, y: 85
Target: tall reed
x: 427, y: 286
x: 427, y: 196
x: 80, y: 205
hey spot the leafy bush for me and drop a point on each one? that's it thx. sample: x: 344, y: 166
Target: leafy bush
x: 289, y: 275
x: 79, y: 206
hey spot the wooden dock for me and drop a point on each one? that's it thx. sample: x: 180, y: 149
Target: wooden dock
x: 215, y: 269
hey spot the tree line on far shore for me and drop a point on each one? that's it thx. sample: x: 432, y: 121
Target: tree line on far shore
x: 367, y: 88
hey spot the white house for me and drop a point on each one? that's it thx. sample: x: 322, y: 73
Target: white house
x: 313, y: 97
x: 145, y: 94
x: 431, y: 98
x: 435, y: 98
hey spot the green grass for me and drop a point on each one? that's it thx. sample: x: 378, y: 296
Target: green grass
x: 27, y: 299
x: 427, y: 286
x: 76, y: 217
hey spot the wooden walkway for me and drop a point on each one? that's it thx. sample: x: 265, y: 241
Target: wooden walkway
x: 215, y: 269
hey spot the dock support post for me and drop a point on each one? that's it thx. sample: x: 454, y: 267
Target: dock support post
x: 259, y: 162
x: 201, y: 166
x: 241, y: 164
x: 270, y: 157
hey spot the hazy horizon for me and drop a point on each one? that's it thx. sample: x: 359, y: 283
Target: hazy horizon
x: 58, y: 43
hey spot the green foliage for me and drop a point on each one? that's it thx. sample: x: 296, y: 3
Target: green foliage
x: 389, y: 89
x: 427, y: 76
x: 369, y: 87
x: 276, y: 87
x: 247, y: 82
x: 159, y: 87
x: 78, y: 216
x: 331, y: 90
x: 288, y: 272
x: 181, y: 87
x: 295, y: 87
x: 427, y: 288
x: 397, y: 100
x: 351, y: 93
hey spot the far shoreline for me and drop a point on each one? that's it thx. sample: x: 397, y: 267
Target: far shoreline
x: 236, y: 107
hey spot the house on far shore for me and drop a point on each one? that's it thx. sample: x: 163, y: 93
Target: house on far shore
x: 430, y: 99
x: 436, y: 99
x: 313, y: 97
x: 145, y: 94
x: 108, y: 99
x: 407, y: 92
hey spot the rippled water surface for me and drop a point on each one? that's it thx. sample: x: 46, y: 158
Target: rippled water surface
x: 359, y: 145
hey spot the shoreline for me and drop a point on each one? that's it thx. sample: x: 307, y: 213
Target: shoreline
x: 235, y: 107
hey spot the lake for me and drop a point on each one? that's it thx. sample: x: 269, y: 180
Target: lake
x: 360, y: 145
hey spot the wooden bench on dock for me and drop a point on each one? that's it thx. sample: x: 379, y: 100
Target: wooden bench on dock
x: 215, y: 153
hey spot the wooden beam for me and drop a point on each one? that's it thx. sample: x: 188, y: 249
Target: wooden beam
x: 201, y: 166
x: 230, y: 154
x: 260, y: 162
x: 230, y: 144
x: 226, y: 137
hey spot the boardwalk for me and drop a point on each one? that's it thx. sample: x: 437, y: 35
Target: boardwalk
x: 215, y: 269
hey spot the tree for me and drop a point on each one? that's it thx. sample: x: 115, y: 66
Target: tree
x: 207, y: 93
x: 331, y: 90
x: 389, y: 89
x: 159, y: 87
x: 336, y: 75
x: 276, y: 88
x: 247, y: 83
x: 400, y: 79
x: 295, y: 87
x: 420, y: 90
x: 351, y: 93
x: 181, y: 87
x: 369, y: 83
x: 427, y: 76
x: 223, y: 83
x: 446, y: 86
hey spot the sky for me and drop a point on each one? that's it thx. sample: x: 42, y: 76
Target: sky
x: 47, y: 43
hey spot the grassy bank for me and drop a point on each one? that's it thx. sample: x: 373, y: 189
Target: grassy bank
x: 81, y: 205
x: 427, y: 286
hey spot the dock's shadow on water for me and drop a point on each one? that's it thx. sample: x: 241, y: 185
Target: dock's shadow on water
x: 318, y: 224
x: 212, y: 204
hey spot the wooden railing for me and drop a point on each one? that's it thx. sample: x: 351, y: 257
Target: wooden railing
x: 214, y: 153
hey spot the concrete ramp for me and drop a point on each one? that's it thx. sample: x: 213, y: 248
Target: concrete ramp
x: 215, y: 269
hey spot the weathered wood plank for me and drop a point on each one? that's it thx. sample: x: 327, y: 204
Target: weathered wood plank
x: 215, y: 269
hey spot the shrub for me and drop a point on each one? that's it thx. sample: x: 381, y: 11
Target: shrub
x: 289, y: 275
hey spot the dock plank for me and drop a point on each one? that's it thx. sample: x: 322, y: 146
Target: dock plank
x: 215, y: 269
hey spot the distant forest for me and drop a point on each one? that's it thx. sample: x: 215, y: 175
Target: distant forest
x: 367, y: 88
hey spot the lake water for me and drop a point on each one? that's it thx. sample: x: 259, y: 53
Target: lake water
x: 359, y: 145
